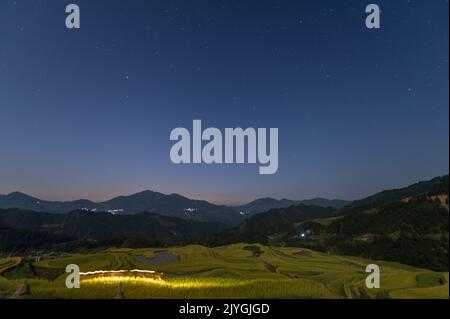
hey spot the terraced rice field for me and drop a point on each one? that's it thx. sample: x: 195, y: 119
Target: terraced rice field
x: 7, y: 263
x: 234, y: 271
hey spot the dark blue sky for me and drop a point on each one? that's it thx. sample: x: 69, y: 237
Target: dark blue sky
x: 88, y: 113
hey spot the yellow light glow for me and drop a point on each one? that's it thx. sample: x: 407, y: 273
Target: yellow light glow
x: 173, y: 283
x: 152, y: 278
x: 113, y: 280
x: 112, y: 272
x: 114, y: 276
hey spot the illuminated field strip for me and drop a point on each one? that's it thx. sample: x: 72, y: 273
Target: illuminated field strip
x: 171, y: 284
x: 110, y: 280
x: 136, y: 276
x: 106, y: 272
x: 150, y: 277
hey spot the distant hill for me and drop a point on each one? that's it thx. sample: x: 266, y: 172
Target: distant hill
x: 23, y: 201
x: 435, y: 186
x: 408, y: 225
x: 260, y: 227
x: 146, y: 228
x: 414, y: 233
x: 323, y: 202
x: 148, y: 201
x: 266, y: 204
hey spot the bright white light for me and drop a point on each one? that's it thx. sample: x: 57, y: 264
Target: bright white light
x: 103, y: 272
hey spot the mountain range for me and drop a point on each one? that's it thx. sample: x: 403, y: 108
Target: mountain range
x: 409, y: 225
x: 173, y: 205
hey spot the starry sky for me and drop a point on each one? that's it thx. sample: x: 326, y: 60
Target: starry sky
x: 87, y: 113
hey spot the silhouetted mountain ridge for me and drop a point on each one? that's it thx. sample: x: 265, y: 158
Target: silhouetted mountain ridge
x: 170, y: 205
x: 265, y: 204
x: 147, y: 201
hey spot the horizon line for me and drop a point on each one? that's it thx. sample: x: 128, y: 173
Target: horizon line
x: 215, y: 202
x: 111, y: 197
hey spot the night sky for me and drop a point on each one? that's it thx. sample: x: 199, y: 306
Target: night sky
x: 87, y: 113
